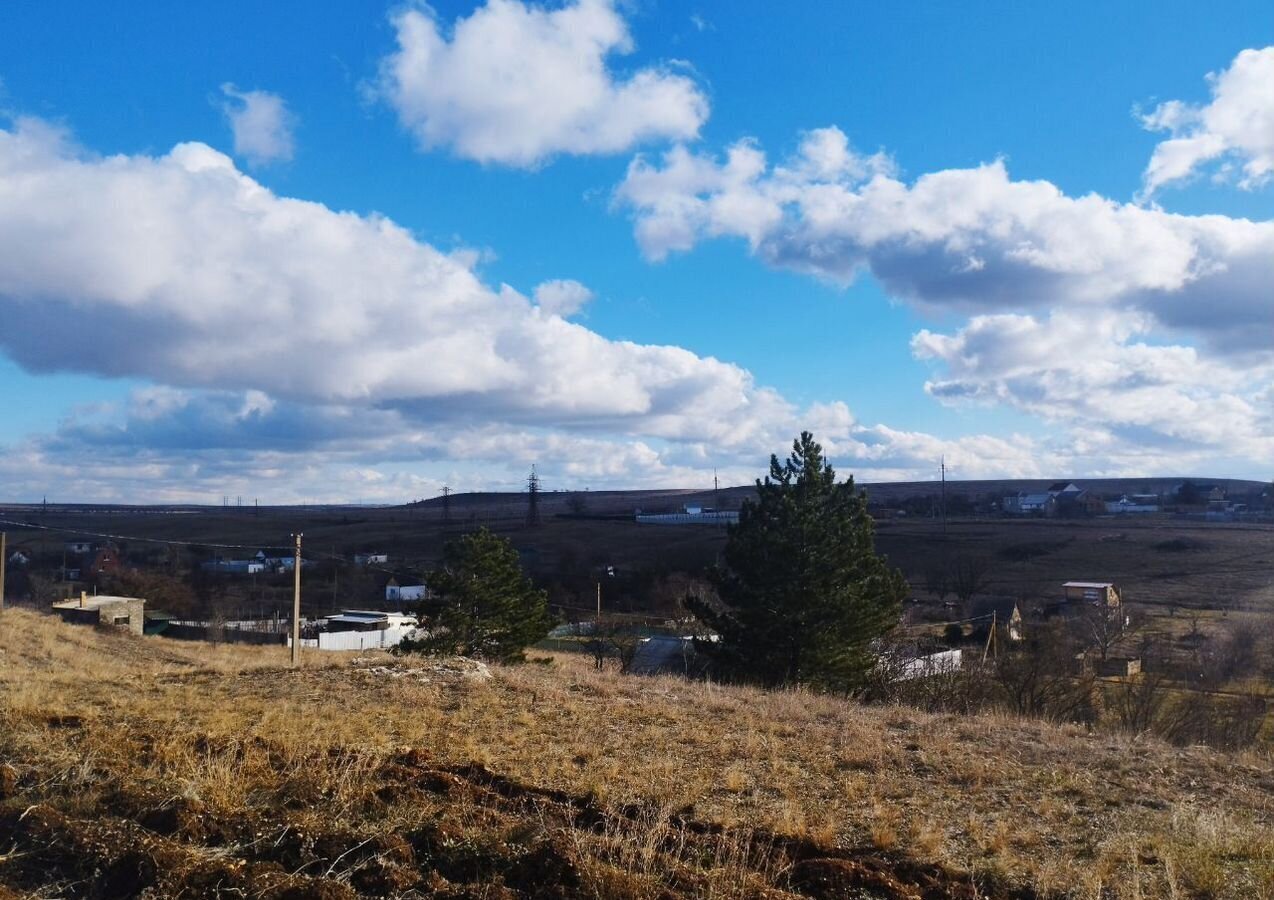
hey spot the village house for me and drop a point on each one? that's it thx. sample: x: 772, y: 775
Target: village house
x: 370, y: 559
x: 359, y: 629
x: 225, y: 566
x: 1095, y: 592
x: 1137, y: 504
x: 1061, y: 498
x: 118, y: 612
x: 104, y: 562
x: 1023, y: 504
x: 402, y: 593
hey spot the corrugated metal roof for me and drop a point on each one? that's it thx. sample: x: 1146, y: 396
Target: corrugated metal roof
x: 1089, y: 584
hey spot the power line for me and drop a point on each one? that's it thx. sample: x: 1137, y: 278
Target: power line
x: 148, y: 540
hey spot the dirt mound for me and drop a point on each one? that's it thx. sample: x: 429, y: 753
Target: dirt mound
x: 456, y: 668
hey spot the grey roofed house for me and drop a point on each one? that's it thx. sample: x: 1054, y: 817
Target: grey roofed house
x: 1064, y: 489
x: 1030, y: 504
x: 368, y: 620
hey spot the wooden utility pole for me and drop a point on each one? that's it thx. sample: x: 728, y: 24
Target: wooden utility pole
x: 3, y: 559
x: 296, y: 603
x: 991, y: 643
x: 599, y: 606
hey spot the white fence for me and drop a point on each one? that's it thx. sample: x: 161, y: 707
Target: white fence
x: 356, y: 640
x: 720, y: 518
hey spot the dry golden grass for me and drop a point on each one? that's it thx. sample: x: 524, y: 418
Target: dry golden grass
x: 231, y: 732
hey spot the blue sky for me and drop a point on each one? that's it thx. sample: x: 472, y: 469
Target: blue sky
x: 1035, y: 239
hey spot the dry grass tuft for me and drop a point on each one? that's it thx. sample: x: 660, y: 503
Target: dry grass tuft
x: 171, y: 765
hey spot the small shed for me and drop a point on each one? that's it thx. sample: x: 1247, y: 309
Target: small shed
x: 368, y: 620
x: 1096, y: 592
x: 1120, y: 666
x: 402, y: 593
x: 117, y: 612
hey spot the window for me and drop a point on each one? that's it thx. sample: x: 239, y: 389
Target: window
x: 120, y: 620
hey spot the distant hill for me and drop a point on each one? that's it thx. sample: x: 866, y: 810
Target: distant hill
x: 887, y: 492
x: 884, y: 492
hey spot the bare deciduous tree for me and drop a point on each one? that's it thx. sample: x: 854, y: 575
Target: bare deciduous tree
x: 969, y: 575
x: 1045, y: 678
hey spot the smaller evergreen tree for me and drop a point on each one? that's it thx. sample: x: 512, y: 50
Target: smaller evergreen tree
x: 481, y: 603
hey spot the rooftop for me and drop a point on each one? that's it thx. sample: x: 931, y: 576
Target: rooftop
x: 94, y: 602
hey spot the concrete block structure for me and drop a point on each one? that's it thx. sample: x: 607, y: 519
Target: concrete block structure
x: 116, y: 612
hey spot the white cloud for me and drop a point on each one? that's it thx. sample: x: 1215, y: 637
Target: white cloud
x: 516, y: 83
x: 329, y: 354
x: 1141, y: 336
x: 182, y: 270
x: 1236, y: 127
x: 967, y: 239
x: 261, y: 123
x: 562, y: 297
x: 1099, y: 371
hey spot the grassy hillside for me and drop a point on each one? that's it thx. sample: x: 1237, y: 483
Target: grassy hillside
x: 131, y: 764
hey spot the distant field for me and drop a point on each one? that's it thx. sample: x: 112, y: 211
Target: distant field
x: 1160, y: 561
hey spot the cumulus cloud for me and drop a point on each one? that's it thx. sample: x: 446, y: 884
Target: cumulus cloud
x: 1235, y: 129
x: 562, y: 297
x: 1142, y: 336
x: 182, y: 270
x: 261, y: 123
x: 331, y: 355
x: 972, y: 240
x: 1101, y: 371
x: 516, y: 83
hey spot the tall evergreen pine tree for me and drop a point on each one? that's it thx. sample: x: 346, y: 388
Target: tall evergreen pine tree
x: 481, y: 604
x: 803, y: 592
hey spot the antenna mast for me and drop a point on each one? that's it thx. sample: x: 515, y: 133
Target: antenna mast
x: 943, y: 465
x: 533, y: 499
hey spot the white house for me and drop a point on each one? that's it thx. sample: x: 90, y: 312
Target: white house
x: 234, y: 566
x: 361, y: 629
x: 370, y: 559
x: 401, y: 593
x: 1044, y: 504
x: 368, y: 620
